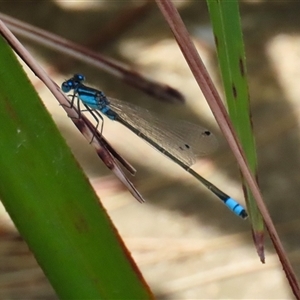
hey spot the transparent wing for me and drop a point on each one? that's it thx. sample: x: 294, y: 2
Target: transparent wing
x: 184, y: 140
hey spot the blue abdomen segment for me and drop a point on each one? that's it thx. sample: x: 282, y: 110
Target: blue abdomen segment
x: 235, y: 207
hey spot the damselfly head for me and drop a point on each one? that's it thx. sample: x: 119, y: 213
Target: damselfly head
x: 72, y: 83
x: 68, y: 85
x: 78, y: 78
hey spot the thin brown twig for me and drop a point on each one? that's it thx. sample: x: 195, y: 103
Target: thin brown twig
x: 80, y: 121
x: 208, y: 89
x: 111, y: 66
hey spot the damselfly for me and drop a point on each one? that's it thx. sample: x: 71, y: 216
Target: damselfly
x: 181, y: 141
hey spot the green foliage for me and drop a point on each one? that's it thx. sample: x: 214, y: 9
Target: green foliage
x: 231, y: 56
x: 52, y: 203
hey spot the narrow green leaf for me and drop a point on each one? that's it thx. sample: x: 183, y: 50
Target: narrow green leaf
x: 231, y: 54
x: 52, y: 203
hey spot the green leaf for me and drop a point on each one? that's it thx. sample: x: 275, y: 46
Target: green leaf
x: 52, y: 203
x: 231, y: 54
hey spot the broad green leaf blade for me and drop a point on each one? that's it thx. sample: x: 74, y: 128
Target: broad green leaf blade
x: 52, y: 203
x: 231, y: 54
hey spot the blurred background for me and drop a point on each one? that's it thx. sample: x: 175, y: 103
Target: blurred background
x: 187, y: 244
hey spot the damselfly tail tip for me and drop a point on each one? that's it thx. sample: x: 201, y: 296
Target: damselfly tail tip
x: 243, y: 214
x: 235, y: 207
